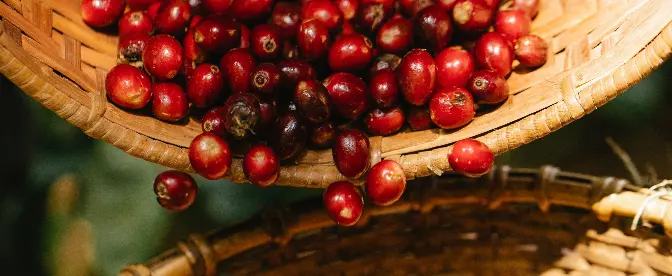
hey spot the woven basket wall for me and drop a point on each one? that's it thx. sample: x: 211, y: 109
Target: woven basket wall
x: 599, y: 48
x: 511, y: 222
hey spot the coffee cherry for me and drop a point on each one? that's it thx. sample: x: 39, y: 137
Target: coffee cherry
x: 210, y: 156
x: 494, y: 52
x: 323, y: 10
x: 418, y: 5
x: 531, y: 51
x: 286, y: 18
x: 205, y: 85
x: 385, y: 121
x: 135, y: 22
x: 265, y: 42
x: 348, y: 93
x: 131, y: 47
x: 217, y: 34
x: 432, y: 28
x: 261, y: 166
x: 175, y: 190
x: 384, y: 87
x: 213, y: 121
x: 140, y: 4
x: 219, y: 7
x: 101, y: 13
x: 348, y: 8
x: 419, y: 118
x: 452, y: 108
x: 351, y: 152
x: 162, y: 57
x: 192, y: 53
x: 389, y: 5
x: 417, y: 76
x: 289, y: 136
x: 128, y: 87
x: 395, y: 36
x: 268, y: 114
x: 248, y: 10
x: 172, y: 17
x: 385, y: 183
x: 294, y: 71
x: 169, y: 103
x: 266, y: 79
x: 245, y: 34
x: 237, y: 66
x: 313, y: 39
x: 513, y: 24
x: 370, y: 17
x: 454, y: 67
x: 488, y: 87
x: 241, y: 114
x: 384, y: 62
x: 350, y: 53
x: 343, y: 202
x: 471, y: 158
x: 447, y: 5
x: 323, y: 135
x: 530, y: 7
x: 153, y: 9
x: 312, y: 101
x: 472, y: 15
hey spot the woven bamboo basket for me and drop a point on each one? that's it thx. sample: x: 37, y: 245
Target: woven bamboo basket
x: 511, y: 222
x: 599, y: 48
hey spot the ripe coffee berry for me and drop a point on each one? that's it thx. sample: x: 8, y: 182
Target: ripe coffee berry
x: 384, y: 87
x: 385, y: 61
x: 348, y: 93
x: 385, y: 183
x: 471, y: 158
x: 217, y: 6
x: 488, y: 87
x: 101, y: 13
x: 192, y: 53
x: 237, y: 66
x: 128, y: 87
x: 432, y: 28
x: 241, y: 114
x: 313, y: 39
x: 213, y: 121
x: 265, y: 42
x: 417, y: 76
x: 289, y: 134
x: 323, y: 10
x: 286, y: 18
x: 472, y: 15
x: 371, y: 16
x: 351, y: 153
x: 131, y: 47
x: 312, y: 101
x: 294, y: 71
x: 419, y: 118
x: 261, y: 166
x: 494, y: 52
x: 323, y: 135
x: 454, y: 67
x: 169, y: 103
x: 530, y: 7
x: 247, y: 10
x: 217, y: 34
x: 348, y: 8
x: 343, y: 202
x: 531, y: 51
x: 266, y: 79
x: 135, y: 22
x: 452, y: 108
x: 245, y: 34
x: 268, y: 113
x: 162, y: 57
x: 395, y: 36
x: 172, y: 17
x: 385, y: 121
x: 205, y: 85
x: 350, y: 53
x: 175, y: 190
x: 210, y: 156
x: 513, y: 24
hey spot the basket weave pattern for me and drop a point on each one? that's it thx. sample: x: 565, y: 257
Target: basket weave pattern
x: 599, y: 48
x: 512, y: 222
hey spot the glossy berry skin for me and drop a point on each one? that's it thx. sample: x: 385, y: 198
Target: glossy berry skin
x: 135, y: 22
x: 286, y: 18
x: 237, y: 66
x: 417, y: 76
x: 351, y: 152
x: 452, y: 108
x: 169, y: 103
x: 323, y: 135
x: 348, y: 94
x: 371, y: 16
x: 245, y: 34
x: 350, y: 53
x: 140, y: 4
x: 218, y: 7
x: 162, y: 57
x: 385, y: 62
x: 488, y: 87
x: 385, y: 183
x: 432, y: 28
x: 531, y: 51
x: 265, y: 42
x: 192, y: 53
x: 294, y: 71
x: 454, y: 67
x: 385, y: 121
x: 213, y: 121
x: 513, y: 24
x: 530, y: 7
x: 172, y: 17
x: 268, y: 114
x: 312, y: 101
x: 246, y: 10
x: 205, y: 85
x: 419, y: 118
x: 153, y: 9
x: 289, y: 134
x: 217, y: 35
x: 471, y: 158
x: 210, y: 156
x: 384, y: 86
x: 323, y: 10
x: 131, y: 47
x: 290, y: 51
x: 395, y: 36
x: 313, y: 39
x: 343, y: 202
x: 472, y: 15
x: 266, y: 79
x: 101, y: 13
x: 494, y: 52
x: 348, y: 8
x: 261, y: 166
x: 418, y: 5
x: 128, y: 87
x: 241, y: 114
x: 175, y: 190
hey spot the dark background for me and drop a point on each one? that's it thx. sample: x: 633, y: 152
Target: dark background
x: 70, y: 205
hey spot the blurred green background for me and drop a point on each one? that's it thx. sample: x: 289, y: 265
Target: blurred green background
x: 71, y: 205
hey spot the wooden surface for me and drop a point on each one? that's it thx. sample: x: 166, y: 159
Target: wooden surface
x: 599, y: 49
x: 511, y: 222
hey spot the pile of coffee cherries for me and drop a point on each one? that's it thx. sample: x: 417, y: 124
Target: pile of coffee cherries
x: 286, y: 76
